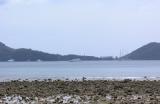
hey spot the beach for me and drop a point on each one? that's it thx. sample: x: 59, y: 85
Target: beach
x: 83, y: 91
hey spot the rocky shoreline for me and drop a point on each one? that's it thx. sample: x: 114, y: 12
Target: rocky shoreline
x: 80, y: 92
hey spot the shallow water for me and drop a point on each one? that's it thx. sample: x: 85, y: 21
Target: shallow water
x: 71, y: 70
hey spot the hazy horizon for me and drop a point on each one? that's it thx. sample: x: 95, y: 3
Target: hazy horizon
x: 90, y: 27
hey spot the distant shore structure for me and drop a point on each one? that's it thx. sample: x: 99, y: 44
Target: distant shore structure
x: 75, y: 60
x: 11, y: 60
x: 121, y: 53
x: 39, y: 60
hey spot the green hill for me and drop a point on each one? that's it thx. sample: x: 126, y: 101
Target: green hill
x: 22, y: 54
x: 150, y: 51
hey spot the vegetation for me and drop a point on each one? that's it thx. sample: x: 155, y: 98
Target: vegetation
x: 7, y: 53
x: 150, y: 51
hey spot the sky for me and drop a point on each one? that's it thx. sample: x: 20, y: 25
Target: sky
x: 84, y: 27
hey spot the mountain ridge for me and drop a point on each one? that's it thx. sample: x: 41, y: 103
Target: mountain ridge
x: 150, y: 51
x: 23, y: 54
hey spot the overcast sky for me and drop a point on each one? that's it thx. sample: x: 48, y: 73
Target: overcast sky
x: 90, y: 27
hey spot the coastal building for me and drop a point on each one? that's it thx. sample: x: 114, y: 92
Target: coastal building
x: 11, y: 60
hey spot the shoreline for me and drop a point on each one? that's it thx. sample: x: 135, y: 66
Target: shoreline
x: 81, y: 91
x: 80, y: 78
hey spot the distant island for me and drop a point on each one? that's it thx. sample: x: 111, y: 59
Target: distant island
x: 150, y: 51
x: 22, y: 54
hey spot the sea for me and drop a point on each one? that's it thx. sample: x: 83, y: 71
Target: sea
x: 77, y: 70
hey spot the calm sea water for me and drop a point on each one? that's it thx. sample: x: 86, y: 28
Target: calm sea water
x: 89, y: 69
